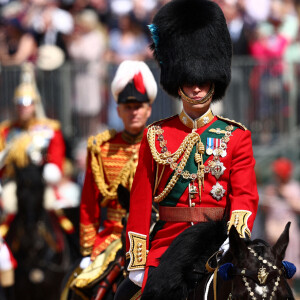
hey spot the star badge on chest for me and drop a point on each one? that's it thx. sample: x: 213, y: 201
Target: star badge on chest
x: 218, y: 191
x: 217, y: 169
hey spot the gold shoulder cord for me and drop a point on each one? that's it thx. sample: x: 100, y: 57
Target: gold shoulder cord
x: 125, y: 177
x: 168, y: 158
x: 17, y: 154
x: 238, y: 124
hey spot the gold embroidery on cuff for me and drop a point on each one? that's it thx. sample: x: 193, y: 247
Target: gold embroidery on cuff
x: 239, y: 219
x: 137, y: 251
x: 101, y: 247
x: 87, y: 238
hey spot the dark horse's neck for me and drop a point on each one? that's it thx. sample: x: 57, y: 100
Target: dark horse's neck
x: 36, y: 240
x: 30, y: 195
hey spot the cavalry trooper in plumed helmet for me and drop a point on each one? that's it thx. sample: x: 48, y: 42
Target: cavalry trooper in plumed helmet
x: 194, y: 164
x: 29, y: 137
x: 112, y: 160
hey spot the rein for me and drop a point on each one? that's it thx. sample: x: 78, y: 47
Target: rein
x: 210, y: 269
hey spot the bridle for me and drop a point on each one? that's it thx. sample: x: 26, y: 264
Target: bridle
x: 260, y: 277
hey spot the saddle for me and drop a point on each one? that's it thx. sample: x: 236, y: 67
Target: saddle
x: 101, y: 274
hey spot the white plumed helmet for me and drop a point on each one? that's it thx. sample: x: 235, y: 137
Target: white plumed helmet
x: 134, y: 82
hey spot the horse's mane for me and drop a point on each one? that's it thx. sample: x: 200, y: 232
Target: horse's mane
x: 189, y: 251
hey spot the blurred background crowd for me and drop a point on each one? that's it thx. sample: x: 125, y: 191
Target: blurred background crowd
x: 76, y: 46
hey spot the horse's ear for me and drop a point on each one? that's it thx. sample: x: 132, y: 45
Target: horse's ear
x: 280, y: 246
x: 123, y: 197
x: 236, y: 243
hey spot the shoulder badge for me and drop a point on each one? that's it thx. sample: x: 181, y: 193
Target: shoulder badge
x: 238, y: 124
x: 159, y: 122
x: 94, y: 142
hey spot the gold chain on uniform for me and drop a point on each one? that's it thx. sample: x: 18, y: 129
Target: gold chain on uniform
x: 167, y: 158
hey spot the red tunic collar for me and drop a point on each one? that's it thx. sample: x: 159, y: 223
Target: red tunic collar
x: 197, y: 123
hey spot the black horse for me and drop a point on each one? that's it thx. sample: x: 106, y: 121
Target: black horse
x: 36, y: 240
x: 248, y: 270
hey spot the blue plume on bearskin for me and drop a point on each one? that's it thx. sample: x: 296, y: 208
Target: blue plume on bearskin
x: 154, y: 33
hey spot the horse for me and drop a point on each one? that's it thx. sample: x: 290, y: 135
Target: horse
x: 36, y: 240
x: 250, y: 269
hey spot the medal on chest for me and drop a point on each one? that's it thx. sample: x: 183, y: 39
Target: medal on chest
x: 218, y: 191
x: 217, y: 148
x: 216, y: 168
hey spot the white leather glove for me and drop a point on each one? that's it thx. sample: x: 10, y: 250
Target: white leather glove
x: 51, y: 173
x: 137, y: 277
x: 5, y: 258
x: 225, y: 246
x: 85, y: 262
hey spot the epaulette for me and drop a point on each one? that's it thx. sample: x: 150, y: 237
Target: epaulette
x: 238, y: 124
x: 94, y: 142
x: 159, y: 122
x: 53, y: 124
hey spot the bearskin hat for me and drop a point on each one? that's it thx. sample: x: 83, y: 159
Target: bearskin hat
x: 192, y: 45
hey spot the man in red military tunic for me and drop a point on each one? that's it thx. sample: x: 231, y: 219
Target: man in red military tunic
x: 112, y: 160
x: 29, y: 138
x: 195, y: 164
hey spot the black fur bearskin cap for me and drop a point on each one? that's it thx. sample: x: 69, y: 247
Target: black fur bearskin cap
x: 192, y: 45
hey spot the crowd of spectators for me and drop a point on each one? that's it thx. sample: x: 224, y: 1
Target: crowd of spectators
x: 261, y: 28
x: 96, y: 34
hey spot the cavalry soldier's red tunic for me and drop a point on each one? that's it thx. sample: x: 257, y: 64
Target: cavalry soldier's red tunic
x: 41, y: 142
x: 174, y: 153
x: 41, y: 139
x: 112, y: 160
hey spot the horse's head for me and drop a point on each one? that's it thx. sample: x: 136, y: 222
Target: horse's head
x: 257, y: 270
x: 30, y: 192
